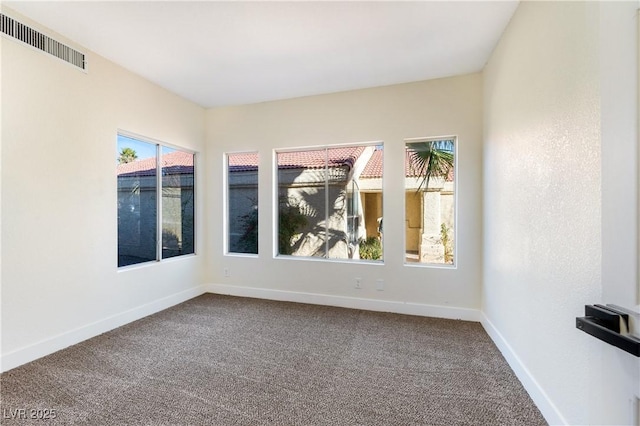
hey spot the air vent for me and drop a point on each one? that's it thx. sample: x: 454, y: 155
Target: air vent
x: 28, y: 35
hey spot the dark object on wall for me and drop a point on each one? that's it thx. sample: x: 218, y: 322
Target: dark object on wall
x: 609, y: 325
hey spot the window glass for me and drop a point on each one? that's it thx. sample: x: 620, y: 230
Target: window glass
x: 302, y: 206
x: 177, y: 202
x: 242, y: 203
x: 142, y: 195
x: 330, y: 202
x: 137, y: 203
x: 430, y: 202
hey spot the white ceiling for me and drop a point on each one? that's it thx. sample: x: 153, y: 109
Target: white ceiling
x: 226, y: 53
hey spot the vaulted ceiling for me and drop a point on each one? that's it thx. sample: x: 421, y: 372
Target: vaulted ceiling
x: 235, y: 52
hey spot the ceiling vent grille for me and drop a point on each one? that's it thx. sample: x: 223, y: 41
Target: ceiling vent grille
x: 28, y: 35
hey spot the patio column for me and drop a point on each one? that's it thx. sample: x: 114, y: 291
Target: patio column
x: 431, y: 247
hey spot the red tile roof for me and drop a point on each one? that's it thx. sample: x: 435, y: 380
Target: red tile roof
x: 337, y: 157
x: 177, y: 162
x: 411, y: 170
x: 180, y: 162
x: 243, y: 162
x: 410, y: 167
x: 313, y: 159
x: 374, y: 169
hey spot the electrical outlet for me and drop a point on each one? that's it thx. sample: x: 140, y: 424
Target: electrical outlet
x: 358, y: 282
x: 380, y: 285
x: 227, y: 273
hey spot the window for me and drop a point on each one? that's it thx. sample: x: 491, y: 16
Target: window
x: 155, y: 201
x: 330, y: 202
x: 242, y: 203
x: 177, y: 202
x: 430, y: 201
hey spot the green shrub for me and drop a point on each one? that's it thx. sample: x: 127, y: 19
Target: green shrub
x: 290, y: 221
x: 249, y: 241
x: 371, y: 249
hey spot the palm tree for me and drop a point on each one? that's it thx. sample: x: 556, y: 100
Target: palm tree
x: 430, y: 159
x: 127, y: 155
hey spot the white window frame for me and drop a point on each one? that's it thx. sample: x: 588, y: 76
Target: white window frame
x: 456, y: 140
x: 159, y: 145
x: 275, y: 211
x: 226, y: 240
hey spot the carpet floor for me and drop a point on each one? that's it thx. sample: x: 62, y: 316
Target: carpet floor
x: 221, y: 360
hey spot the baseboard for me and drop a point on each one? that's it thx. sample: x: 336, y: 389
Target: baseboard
x: 548, y: 409
x: 53, y: 344
x: 48, y: 346
x: 348, y: 302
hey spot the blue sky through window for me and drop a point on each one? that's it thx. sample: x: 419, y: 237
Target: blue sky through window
x: 142, y: 149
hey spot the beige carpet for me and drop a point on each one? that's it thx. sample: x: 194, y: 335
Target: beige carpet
x: 219, y: 360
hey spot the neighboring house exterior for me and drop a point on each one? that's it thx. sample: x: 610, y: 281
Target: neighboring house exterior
x: 242, y: 199
x: 322, y: 184
x: 137, y: 207
x: 425, y: 211
x: 339, y: 193
x: 319, y: 185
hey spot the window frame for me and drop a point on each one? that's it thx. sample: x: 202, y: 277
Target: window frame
x: 226, y: 238
x: 453, y: 265
x: 276, y: 200
x: 159, y: 223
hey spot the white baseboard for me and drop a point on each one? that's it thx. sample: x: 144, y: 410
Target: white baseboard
x: 53, y: 344
x: 407, y: 308
x: 48, y: 346
x: 548, y: 409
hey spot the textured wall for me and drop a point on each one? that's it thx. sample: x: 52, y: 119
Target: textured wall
x: 547, y: 108
x: 542, y: 193
x: 450, y: 106
x: 59, y: 193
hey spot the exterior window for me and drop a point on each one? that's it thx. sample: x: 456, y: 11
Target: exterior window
x: 330, y: 202
x: 242, y: 203
x: 430, y: 201
x: 178, y: 202
x: 143, y: 234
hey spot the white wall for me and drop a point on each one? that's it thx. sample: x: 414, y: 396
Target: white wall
x: 60, y: 282
x: 450, y: 106
x: 560, y: 132
x: 620, y: 257
x: 560, y: 214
